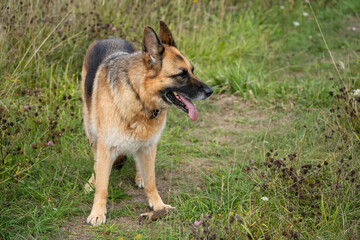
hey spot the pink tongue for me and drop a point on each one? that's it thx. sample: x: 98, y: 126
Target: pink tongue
x: 193, y: 114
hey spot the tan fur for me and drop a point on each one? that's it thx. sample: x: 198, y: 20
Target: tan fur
x: 117, y: 117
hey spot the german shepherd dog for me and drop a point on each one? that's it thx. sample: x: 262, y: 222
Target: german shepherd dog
x: 126, y: 95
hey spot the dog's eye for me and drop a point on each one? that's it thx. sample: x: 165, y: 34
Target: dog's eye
x: 184, y: 73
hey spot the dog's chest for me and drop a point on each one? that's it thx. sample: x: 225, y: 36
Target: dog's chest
x: 123, y: 144
x: 129, y: 141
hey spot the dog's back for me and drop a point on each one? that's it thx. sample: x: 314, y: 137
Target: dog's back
x: 95, y: 55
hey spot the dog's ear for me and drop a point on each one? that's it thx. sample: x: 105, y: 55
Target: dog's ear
x: 165, y: 35
x: 152, y: 47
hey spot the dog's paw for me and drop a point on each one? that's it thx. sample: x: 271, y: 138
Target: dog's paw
x: 88, y: 188
x: 162, y: 207
x: 139, y: 182
x: 159, y: 205
x: 96, y: 219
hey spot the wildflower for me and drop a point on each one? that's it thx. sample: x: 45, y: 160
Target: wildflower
x: 196, y: 223
x: 130, y: 29
x: 310, y: 37
x: 305, y: 14
x: 50, y: 143
x: 265, y: 199
x: 26, y: 107
x: 114, y: 29
x: 296, y: 24
x: 353, y: 28
x: 356, y: 94
x: 55, y: 209
x: 307, y: 1
x: 229, y: 8
x: 196, y: 27
x: 282, y: 7
x: 139, y: 236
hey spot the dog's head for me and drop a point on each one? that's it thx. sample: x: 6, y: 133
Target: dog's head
x: 170, y: 74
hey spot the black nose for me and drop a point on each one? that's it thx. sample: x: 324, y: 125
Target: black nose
x: 208, y: 91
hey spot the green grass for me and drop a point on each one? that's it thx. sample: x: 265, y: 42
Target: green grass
x: 271, y: 79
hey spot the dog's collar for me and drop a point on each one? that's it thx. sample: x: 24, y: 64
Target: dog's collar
x: 155, y: 113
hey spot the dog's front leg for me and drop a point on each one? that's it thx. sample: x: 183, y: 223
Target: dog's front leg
x: 103, y: 169
x: 145, y: 160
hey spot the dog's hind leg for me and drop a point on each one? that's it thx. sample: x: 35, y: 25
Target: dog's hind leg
x: 120, y: 161
x: 145, y: 159
x: 89, y: 186
x: 104, y: 164
x: 138, y: 178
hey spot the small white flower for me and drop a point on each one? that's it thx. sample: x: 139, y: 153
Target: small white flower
x: 310, y: 37
x: 55, y: 209
x: 305, y: 14
x: 353, y: 28
x: 282, y: 7
x: 356, y: 93
x: 265, y: 199
x: 296, y: 24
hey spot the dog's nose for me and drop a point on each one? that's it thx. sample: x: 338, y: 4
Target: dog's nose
x: 208, y: 91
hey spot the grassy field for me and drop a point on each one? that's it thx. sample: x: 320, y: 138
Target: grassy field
x: 274, y: 154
